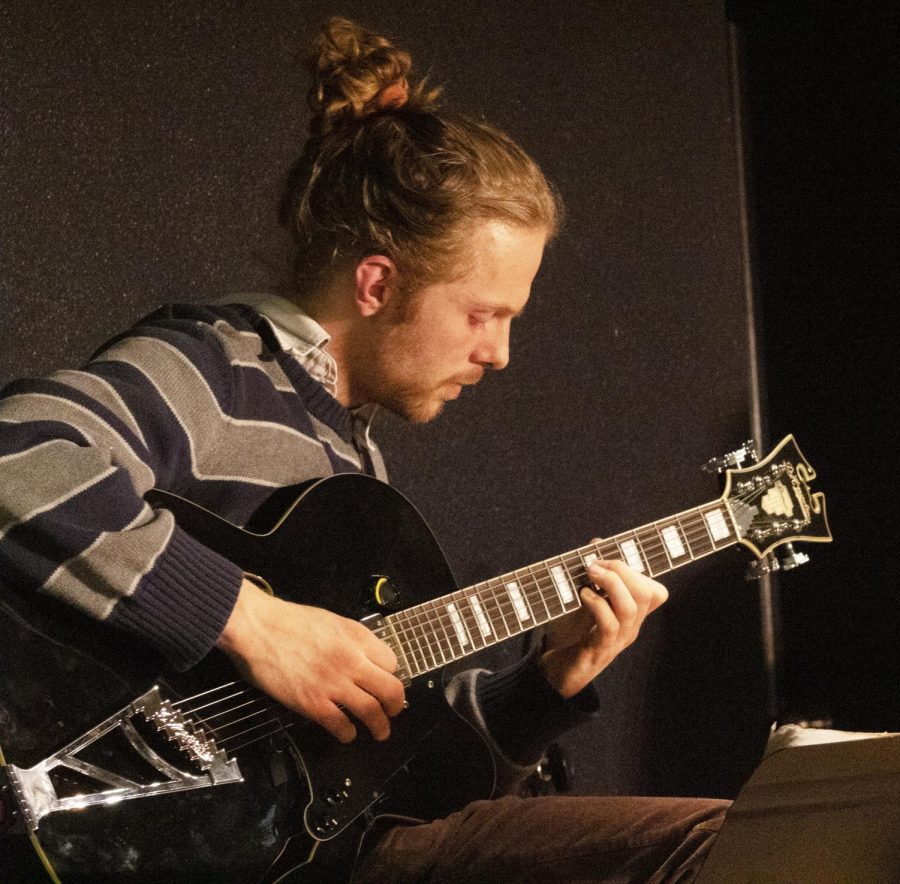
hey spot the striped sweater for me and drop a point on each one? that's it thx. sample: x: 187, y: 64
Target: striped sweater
x: 203, y: 402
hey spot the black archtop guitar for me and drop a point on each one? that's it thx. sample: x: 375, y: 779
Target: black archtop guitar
x: 113, y: 769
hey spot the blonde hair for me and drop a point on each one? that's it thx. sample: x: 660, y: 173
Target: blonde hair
x: 385, y: 170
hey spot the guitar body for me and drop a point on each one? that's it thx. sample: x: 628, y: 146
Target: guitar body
x: 303, y: 795
x: 113, y: 769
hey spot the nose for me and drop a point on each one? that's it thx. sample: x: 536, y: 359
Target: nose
x: 494, y: 349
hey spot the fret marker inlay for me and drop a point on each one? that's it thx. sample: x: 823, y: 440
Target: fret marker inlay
x: 673, y: 542
x: 563, y: 587
x: 515, y: 594
x: 458, y: 626
x: 480, y: 616
x: 718, y: 527
x: 632, y: 555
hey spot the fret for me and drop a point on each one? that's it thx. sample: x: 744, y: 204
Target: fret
x: 632, y: 555
x: 706, y: 527
x: 662, y: 545
x: 467, y: 612
x: 398, y: 645
x: 443, y: 631
x: 563, y: 583
x: 542, y: 588
x: 520, y: 605
x: 484, y: 625
x: 698, y: 537
x: 451, y: 631
x: 649, y: 541
x: 424, y: 628
x: 411, y: 641
x: 459, y: 627
x: 717, y: 525
x: 575, y: 570
x: 674, y: 542
x: 501, y: 611
x: 589, y: 558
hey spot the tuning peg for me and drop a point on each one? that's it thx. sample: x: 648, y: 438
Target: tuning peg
x: 792, y: 558
x: 758, y: 568
x: 747, y: 452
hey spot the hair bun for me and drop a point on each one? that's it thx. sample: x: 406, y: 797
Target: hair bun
x: 353, y: 73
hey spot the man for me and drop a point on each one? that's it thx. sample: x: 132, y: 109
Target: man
x: 416, y: 237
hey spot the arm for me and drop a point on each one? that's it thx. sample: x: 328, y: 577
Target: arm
x: 314, y: 662
x: 166, y: 407
x: 577, y: 648
x: 525, y: 706
x: 77, y: 452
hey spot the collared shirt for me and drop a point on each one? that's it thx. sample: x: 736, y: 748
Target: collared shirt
x: 301, y: 336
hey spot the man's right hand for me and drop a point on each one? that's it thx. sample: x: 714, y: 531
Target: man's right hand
x: 314, y: 662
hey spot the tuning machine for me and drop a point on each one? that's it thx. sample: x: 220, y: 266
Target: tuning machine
x: 791, y: 558
x: 745, y: 454
x: 788, y: 559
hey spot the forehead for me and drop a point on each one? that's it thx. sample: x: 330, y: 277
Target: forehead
x: 503, y: 261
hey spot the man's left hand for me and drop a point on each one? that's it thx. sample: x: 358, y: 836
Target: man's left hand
x: 582, y: 644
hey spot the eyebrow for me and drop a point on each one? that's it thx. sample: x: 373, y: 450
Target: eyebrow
x: 496, y: 308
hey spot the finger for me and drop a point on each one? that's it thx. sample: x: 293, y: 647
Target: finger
x: 618, y: 594
x: 368, y: 710
x: 605, y: 619
x: 377, y: 650
x: 334, y: 721
x: 386, y: 688
x: 647, y: 593
x: 644, y: 588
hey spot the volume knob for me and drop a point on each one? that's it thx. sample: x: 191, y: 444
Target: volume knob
x: 386, y: 594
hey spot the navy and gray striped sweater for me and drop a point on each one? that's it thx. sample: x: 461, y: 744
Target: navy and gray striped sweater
x: 200, y: 401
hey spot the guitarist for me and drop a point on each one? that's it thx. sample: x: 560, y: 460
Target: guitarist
x: 415, y: 236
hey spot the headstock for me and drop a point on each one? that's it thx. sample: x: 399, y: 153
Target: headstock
x: 771, y: 502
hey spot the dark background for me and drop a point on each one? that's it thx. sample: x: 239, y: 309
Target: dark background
x: 142, y: 152
x: 821, y: 98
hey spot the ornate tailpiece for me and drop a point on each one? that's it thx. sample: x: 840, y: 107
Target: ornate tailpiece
x: 177, y: 752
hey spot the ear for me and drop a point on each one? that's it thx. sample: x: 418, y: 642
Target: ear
x: 376, y: 280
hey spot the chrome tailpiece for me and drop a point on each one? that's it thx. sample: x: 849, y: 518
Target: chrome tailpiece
x: 173, y: 752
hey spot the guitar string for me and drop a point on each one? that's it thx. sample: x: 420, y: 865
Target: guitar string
x: 536, y: 587
x: 650, y: 538
x: 540, y: 592
x: 268, y: 706
x: 530, y: 582
x: 536, y: 584
x: 698, y: 528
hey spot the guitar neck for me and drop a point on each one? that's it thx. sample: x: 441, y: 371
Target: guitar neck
x: 440, y: 631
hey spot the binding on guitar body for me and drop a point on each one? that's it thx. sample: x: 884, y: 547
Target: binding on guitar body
x: 116, y: 770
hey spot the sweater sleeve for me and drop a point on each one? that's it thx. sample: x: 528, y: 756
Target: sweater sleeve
x: 78, y: 450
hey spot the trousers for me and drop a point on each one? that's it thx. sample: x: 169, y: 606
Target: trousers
x: 551, y: 839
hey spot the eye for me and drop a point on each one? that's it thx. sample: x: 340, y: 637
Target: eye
x: 481, y: 317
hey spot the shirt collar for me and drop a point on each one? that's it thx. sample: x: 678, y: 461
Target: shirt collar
x: 295, y: 330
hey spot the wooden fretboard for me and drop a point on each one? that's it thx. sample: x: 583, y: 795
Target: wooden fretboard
x: 437, y: 632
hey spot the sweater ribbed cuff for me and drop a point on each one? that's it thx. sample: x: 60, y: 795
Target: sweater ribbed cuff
x: 182, y: 605
x: 523, y: 712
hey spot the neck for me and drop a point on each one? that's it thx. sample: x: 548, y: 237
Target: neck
x: 344, y: 344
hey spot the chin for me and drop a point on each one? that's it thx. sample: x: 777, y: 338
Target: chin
x: 424, y: 413
x: 419, y: 411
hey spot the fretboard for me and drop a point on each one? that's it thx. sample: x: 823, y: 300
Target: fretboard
x: 430, y: 635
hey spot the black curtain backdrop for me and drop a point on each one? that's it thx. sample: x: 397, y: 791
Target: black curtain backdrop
x: 143, y: 148
x: 821, y: 96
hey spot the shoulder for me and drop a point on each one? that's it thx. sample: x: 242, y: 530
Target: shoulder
x: 208, y: 335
